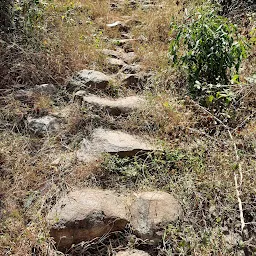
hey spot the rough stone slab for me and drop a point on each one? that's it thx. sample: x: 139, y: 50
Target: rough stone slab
x: 135, y: 81
x: 131, y: 69
x: 132, y: 252
x: 87, y: 214
x: 89, y: 79
x: 112, y: 106
x: 151, y: 212
x: 108, y: 141
x: 45, y: 124
x: 127, y: 57
x: 115, y: 64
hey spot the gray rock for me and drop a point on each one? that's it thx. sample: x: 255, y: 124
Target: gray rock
x: 151, y: 212
x: 115, y: 64
x: 46, y: 124
x: 89, y: 79
x: 46, y: 89
x: 85, y: 215
x: 112, y: 106
x: 128, y: 58
x: 113, y: 142
x: 88, y: 214
x: 132, y: 252
x: 131, y: 69
x: 135, y: 81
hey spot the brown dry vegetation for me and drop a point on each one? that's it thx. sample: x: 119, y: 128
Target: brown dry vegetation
x: 70, y: 37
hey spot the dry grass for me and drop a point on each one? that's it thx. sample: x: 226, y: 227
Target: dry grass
x: 36, y: 171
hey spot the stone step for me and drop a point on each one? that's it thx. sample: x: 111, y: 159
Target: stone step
x: 90, y: 80
x: 88, y: 214
x: 113, y: 142
x: 127, y: 57
x: 112, y: 106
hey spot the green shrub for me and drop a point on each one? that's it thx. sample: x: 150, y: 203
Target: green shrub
x: 29, y: 14
x: 208, y: 46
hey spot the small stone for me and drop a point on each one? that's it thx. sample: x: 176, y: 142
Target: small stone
x: 89, y: 79
x: 133, y: 252
x: 46, y: 89
x: 46, y: 124
x: 113, y: 142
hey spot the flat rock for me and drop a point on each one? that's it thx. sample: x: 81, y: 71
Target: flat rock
x: 45, y: 124
x: 127, y: 57
x: 131, y: 69
x: 113, y: 142
x: 89, y: 79
x: 151, y: 212
x: 135, y: 81
x: 112, y: 106
x: 115, y: 64
x: 132, y: 252
x: 88, y: 214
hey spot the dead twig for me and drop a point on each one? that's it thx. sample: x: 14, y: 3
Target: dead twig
x: 238, y: 185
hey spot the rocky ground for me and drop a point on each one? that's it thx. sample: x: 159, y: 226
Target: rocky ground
x: 118, y: 160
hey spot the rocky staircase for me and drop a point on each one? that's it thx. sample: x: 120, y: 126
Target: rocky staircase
x: 87, y: 214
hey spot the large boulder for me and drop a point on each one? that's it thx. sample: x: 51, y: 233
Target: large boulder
x: 85, y: 215
x: 113, y: 142
x: 132, y: 252
x: 88, y: 214
x: 89, y: 79
x: 112, y: 106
